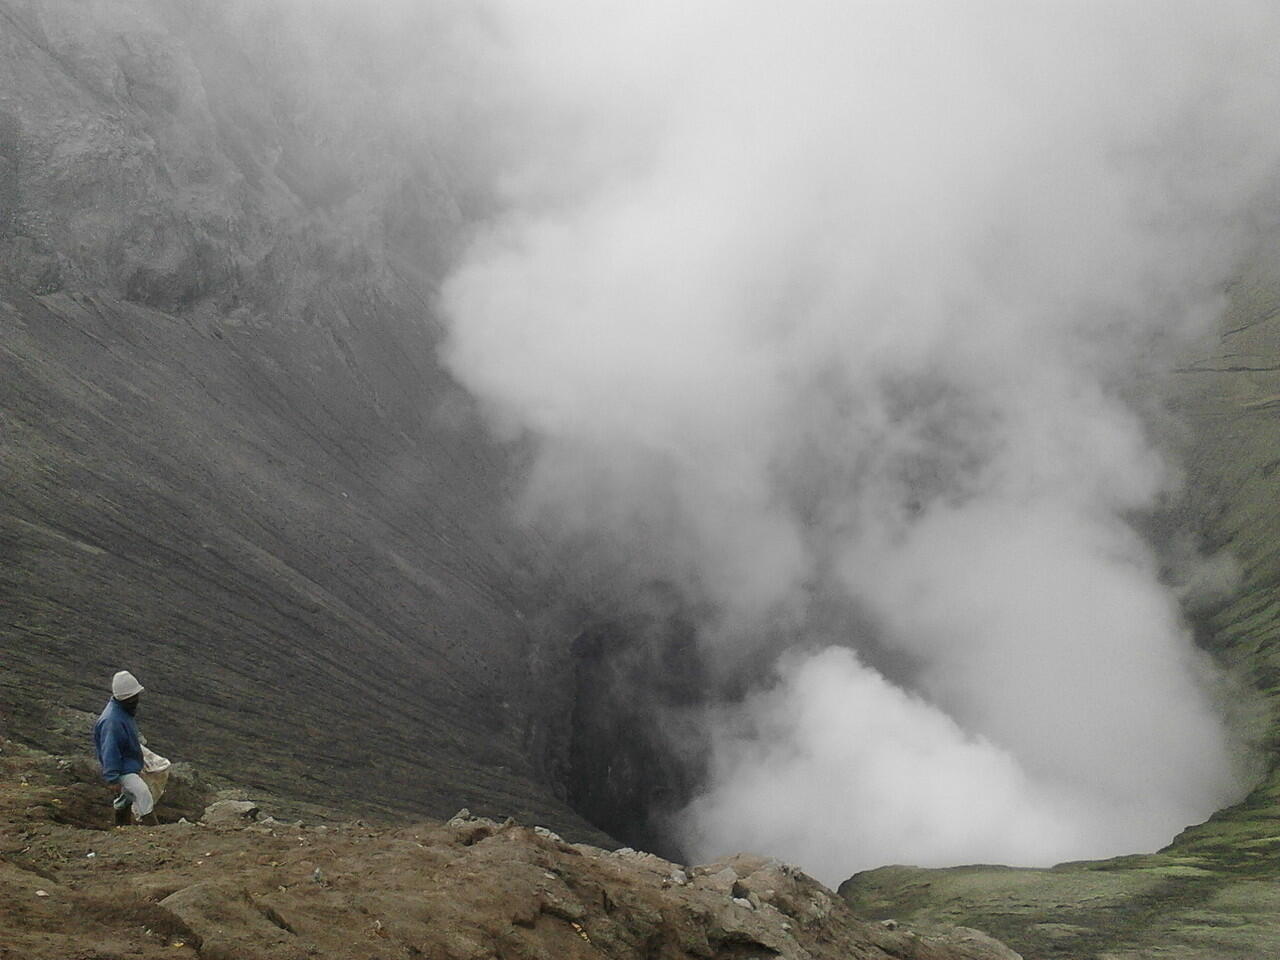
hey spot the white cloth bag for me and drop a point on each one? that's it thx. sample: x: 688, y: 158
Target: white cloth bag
x: 155, y: 773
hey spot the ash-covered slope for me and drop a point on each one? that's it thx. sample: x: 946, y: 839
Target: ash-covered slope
x: 228, y: 459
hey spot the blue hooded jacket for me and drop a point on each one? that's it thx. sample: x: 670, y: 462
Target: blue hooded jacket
x: 115, y: 737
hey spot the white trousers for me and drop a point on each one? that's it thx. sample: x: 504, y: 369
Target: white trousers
x: 139, y: 794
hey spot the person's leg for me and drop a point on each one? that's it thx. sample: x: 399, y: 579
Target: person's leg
x: 138, y: 792
x: 120, y: 810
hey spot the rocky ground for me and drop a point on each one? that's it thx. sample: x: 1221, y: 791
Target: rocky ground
x: 230, y: 881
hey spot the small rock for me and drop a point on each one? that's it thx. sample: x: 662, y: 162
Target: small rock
x: 679, y: 877
x: 562, y: 907
x: 820, y: 905
x: 42, y: 893
x: 624, y: 852
x: 722, y: 880
x: 549, y: 834
x: 974, y: 944
x: 889, y: 924
x: 317, y: 876
x: 470, y: 829
x: 229, y: 812
x: 743, y: 902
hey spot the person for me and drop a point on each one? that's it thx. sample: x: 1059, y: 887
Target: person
x: 119, y: 748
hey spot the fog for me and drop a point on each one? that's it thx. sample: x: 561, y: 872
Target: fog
x: 846, y: 306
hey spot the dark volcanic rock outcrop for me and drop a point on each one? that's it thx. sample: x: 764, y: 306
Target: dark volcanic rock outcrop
x: 228, y: 457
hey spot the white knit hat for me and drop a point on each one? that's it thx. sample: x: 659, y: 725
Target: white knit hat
x: 125, y: 685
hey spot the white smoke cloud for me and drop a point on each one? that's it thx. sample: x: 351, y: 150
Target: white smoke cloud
x: 844, y: 298
x: 839, y: 766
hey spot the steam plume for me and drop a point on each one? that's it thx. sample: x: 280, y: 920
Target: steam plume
x: 837, y: 302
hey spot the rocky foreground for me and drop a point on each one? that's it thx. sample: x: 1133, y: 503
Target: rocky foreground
x: 238, y: 884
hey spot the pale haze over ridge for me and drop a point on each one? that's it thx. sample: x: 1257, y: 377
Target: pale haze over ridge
x: 839, y: 303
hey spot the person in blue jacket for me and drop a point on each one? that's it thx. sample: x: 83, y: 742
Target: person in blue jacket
x: 119, y: 748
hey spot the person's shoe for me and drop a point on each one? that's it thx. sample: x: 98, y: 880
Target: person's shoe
x: 123, y: 806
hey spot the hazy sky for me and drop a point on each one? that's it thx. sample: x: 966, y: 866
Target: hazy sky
x: 838, y: 302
